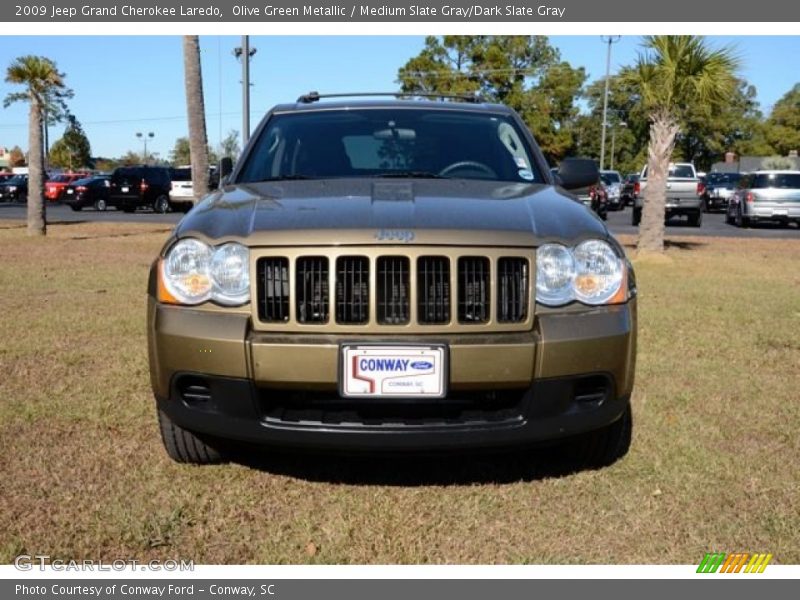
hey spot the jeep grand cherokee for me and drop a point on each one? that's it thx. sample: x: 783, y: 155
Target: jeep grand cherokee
x: 390, y: 276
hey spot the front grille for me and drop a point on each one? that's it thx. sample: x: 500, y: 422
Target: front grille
x: 438, y: 289
x: 473, y: 289
x: 512, y: 290
x: 352, y: 289
x: 312, y: 289
x: 393, y: 290
x: 273, y: 289
x: 433, y: 289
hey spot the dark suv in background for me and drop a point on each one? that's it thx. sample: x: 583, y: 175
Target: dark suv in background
x: 140, y: 186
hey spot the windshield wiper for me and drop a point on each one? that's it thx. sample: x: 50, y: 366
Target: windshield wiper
x: 410, y: 174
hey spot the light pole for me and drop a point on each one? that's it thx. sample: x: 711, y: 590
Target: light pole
x: 245, y: 53
x: 144, y: 137
x: 614, y: 139
x: 607, y: 39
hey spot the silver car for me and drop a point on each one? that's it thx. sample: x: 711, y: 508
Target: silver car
x: 765, y: 196
x: 613, y: 182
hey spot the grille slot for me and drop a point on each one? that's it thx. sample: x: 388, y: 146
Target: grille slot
x: 273, y: 286
x: 352, y: 289
x: 512, y: 290
x: 433, y: 289
x: 311, y: 289
x: 393, y: 290
x: 473, y: 289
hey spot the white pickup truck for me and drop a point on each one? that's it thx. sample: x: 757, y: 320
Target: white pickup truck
x: 682, y: 197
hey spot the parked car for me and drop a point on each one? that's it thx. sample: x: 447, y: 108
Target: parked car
x: 91, y: 191
x: 5, y: 177
x: 683, y: 199
x: 55, y: 187
x: 612, y: 182
x: 765, y: 196
x: 630, y: 189
x: 14, y: 189
x: 140, y: 186
x: 182, y: 191
x: 393, y: 275
x: 718, y: 188
x: 593, y: 196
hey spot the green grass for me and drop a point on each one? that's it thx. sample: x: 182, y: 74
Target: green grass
x: 712, y: 466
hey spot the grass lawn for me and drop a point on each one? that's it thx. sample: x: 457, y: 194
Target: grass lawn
x: 713, y: 465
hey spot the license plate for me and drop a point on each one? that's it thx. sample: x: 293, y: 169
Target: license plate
x: 125, y: 189
x: 375, y: 371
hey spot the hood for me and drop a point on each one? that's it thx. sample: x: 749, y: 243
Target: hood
x: 369, y: 211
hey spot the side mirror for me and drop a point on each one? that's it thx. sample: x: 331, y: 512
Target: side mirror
x: 575, y: 173
x: 225, y: 168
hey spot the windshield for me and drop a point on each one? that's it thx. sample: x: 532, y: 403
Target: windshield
x: 724, y: 177
x: 395, y: 142
x: 180, y: 174
x: 61, y: 179
x: 777, y: 180
x: 610, y: 178
x: 17, y: 179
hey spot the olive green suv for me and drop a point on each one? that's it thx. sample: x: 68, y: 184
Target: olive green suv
x: 393, y: 275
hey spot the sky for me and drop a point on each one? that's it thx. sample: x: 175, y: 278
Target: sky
x: 129, y: 84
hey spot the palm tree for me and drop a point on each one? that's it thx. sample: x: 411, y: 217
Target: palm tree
x: 195, y: 108
x: 44, y: 84
x: 674, y: 72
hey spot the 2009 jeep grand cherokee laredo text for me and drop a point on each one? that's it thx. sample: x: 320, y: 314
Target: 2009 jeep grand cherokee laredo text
x: 393, y: 275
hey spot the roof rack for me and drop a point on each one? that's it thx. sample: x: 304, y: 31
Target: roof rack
x: 311, y: 97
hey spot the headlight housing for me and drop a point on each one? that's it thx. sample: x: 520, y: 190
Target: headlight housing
x: 193, y: 272
x: 590, y: 273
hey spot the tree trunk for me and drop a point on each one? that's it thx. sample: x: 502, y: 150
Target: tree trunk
x: 663, y: 130
x: 37, y: 222
x: 195, y: 108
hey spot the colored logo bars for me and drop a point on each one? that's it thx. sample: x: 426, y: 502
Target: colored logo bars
x: 734, y: 563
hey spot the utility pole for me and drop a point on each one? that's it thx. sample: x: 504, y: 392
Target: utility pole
x: 621, y: 124
x: 245, y: 53
x: 607, y: 39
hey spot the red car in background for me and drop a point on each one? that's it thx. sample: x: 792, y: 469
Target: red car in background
x: 54, y: 188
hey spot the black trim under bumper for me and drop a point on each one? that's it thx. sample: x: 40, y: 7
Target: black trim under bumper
x: 235, y: 409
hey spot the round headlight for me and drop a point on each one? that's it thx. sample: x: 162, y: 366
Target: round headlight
x: 555, y: 271
x: 598, y: 272
x: 230, y: 272
x: 187, y: 271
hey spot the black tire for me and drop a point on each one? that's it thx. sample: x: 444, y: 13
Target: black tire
x: 605, y: 446
x: 128, y: 209
x: 696, y: 219
x: 741, y: 220
x: 161, y: 205
x: 100, y: 204
x: 183, y: 446
x: 76, y: 207
x: 636, y: 216
x: 728, y: 219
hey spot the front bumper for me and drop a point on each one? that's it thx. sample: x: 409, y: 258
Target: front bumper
x: 212, y: 374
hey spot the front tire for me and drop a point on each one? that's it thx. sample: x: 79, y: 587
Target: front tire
x: 605, y: 446
x: 100, y: 205
x: 183, y: 446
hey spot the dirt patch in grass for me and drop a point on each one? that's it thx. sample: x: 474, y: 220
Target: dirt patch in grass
x: 712, y: 466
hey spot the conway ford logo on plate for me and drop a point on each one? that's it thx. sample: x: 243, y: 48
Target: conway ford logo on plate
x: 407, y: 371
